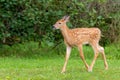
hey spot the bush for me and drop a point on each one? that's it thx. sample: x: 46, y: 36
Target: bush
x: 32, y: 20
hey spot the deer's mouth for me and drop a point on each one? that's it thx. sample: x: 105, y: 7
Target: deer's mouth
x: 54, y: 27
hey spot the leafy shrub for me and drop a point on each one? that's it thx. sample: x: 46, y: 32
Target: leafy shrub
x: 32, y: 20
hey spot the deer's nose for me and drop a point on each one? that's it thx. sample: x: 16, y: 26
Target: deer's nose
x: 54, y: 27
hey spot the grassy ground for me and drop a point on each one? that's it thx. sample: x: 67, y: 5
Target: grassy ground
x: 49, y: 68
x: 29, y: 62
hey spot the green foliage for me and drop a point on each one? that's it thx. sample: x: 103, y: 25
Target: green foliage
x: 28, y: 20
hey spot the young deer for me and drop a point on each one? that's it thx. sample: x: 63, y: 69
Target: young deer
x: 78, y: 37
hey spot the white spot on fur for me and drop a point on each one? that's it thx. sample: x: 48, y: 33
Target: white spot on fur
x: 85, y: 42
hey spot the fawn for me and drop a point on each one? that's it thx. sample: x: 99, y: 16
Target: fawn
x: 78, y: 37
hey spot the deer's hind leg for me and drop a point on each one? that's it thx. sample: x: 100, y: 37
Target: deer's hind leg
x: 101, y: 50
x: 97, y: 49
x: 96, y: 53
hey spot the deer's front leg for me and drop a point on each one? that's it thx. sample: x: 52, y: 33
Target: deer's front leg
x: 82, y: 56
x: 68, y: 51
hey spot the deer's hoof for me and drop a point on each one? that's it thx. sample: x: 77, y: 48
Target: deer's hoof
x: 106, y: 68
x: 63, y: 71
x: 89, y: 69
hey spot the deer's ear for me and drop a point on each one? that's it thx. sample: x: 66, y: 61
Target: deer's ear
x: 67, y: 18
x: 64, y: 17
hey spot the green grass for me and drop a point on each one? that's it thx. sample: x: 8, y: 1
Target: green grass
x: 29, y: 62
x: 49, y: 68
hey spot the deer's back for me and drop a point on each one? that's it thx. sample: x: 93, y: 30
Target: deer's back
x: 84, y: 35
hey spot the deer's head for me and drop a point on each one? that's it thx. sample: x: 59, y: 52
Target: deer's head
x: 61, y: 22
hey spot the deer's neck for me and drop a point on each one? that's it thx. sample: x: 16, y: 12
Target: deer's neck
x: 65, y: 32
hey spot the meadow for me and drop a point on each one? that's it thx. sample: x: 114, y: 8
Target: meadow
x: 28, y: 62
x: 49, y: 69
